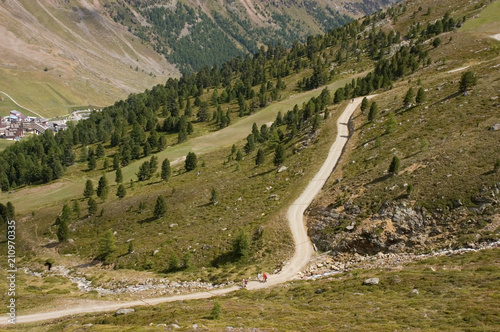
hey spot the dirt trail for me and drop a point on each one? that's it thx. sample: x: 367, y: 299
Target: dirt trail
x: 301, y: 256
x: 15, y: 102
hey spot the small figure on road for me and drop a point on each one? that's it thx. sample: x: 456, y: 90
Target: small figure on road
x: 258, y: 277
x: 265, y: 277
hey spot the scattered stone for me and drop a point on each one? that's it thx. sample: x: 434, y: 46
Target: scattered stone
x: 319, y: 291
x: 495, y: 127
x: 195, y: 326
x: 273, y: 197
x: 173, y: 225
x: 371, y: 281
x: 415, y: 291
x: 282, y: 169
x: 155, y: 252
x: 124, y: 311
x: 175, y: 326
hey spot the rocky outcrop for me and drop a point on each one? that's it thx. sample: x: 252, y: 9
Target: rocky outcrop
x: 398, y: 226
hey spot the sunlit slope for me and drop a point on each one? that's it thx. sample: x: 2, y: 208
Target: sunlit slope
x: 56, y: 55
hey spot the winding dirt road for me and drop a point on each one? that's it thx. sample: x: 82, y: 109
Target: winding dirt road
x: 303, y: 246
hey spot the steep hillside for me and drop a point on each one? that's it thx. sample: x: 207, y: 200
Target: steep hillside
x: 195, y: 34
x: 445, y: 189
x: 60, y: 54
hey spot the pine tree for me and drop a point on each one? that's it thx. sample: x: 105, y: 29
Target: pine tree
x: 420, y: 96
x: 89, y: 189
x: 144, y: 171
x: 372, y: 115
x: 394, y: 167
x: 250, y: 145
x: 66, y: 213
x: 92, y: 163
x: 105, y: 164
x: 10, y: 210
x: 162, y: 143
x: 116, y: 161
x: 102, y: 188
x: 364, y: 105
x: 216, y: 312
x: 408, y: 99
x: 186, y: 260
x: 166, y: 171
x: 121, y: 191
x: 214, y: 196
x: 160, y: 207
x: 107, y: 246
x: 173, y: 262
x: 390, y: 124
x: 467, y: 81
x: 191, y: 161
x: 239, y: 155
x: 92, y: 206
x: 259, y: 158
x: 118, y: 176
x: 153, y: 165
x: 99, y: 151
x: 279, y: 155
x: 76, y: 208
x: 62, y: 230
x: 241, y: 245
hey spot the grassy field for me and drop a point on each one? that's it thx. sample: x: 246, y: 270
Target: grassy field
x: 487, y: 20
x: 442, y: 293
x: 5, y: 143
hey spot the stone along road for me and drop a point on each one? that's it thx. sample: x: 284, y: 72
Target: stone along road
x: 301, y: 256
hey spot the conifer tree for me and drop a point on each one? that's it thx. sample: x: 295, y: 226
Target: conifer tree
x: 92, y: 163
x: 467, y: 81
x: 107, y: 246
x: 66, y: 213
x: 372, y: 115
x: 279, y: 155
x: 89, y: 189
x: 408, y: 99
x: 76, y: 208
x: 160, y: 207
x: 118, y: 175
x: 166, y: 171
x: 92, y: 206
x: 394, y: 167
x: 62, y: 230
x: 102, y: 188
x: 121, y: 191
x: 259, y: 158
x: 364, y: 105
x: 214, y: 196
x: 191, y: 161
x: 420, y: 98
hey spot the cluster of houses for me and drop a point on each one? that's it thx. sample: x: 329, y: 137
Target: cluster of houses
x: 16, y: 125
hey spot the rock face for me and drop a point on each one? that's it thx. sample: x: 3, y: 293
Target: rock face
x: 398, y: 226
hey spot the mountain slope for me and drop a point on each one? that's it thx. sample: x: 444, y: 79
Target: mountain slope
x: 60, y: 54
x: 195, y: 34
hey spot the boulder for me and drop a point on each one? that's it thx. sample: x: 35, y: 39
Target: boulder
x: 124, y: 311
x: 371, y: 281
